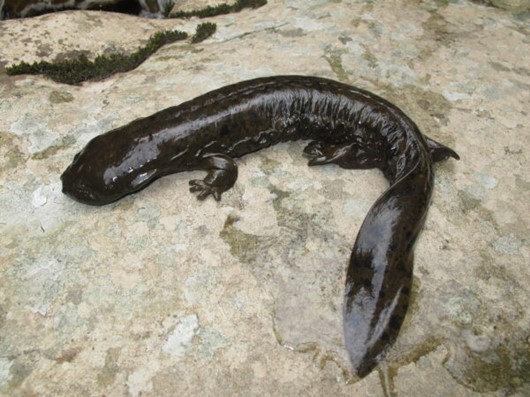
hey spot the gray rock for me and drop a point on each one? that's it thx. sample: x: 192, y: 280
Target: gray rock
x: 511, y: 5
x: 192, y: 5
x: 161, y: 295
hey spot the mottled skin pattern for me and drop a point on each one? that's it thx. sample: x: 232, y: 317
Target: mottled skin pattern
x: 28, y: 8
x: 345, y: 125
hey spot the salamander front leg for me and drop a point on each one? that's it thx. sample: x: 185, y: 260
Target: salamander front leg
x: 222, y: 174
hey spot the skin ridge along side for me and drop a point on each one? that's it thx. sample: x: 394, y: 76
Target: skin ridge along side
x: 346, y: 126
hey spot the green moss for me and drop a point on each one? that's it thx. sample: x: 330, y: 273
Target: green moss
x: 220, y: 9
x: 78, y: 70
x: 203, y: 31
x: 75, y: 71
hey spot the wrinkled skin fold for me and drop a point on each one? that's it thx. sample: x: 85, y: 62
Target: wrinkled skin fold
x: 345, y: 125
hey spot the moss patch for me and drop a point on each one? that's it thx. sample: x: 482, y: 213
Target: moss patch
x: 75, y: 71
x: 203, y: 31
x: 219, y: 9
x: 80, y: 69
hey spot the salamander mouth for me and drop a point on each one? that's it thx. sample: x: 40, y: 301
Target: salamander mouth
x: 76, y: 189
x: 81, y: 194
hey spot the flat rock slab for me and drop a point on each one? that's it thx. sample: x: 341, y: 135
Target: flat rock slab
x: 162, y: 295
x: 194, y: 5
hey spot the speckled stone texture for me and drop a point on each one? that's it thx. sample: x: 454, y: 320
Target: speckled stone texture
x: 190, y: 5
x: 162, y: 295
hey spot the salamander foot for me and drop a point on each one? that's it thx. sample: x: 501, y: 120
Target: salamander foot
x: 222, y: 174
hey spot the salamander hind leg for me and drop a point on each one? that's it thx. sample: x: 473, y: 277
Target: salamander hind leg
x: 346, y: 155
x: 222, y: 175
x: 440, y: 152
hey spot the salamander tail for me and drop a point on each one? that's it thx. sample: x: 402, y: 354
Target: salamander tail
x: 440, y: 152
x: 379, y: 276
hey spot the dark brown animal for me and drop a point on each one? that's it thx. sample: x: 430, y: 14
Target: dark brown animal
x: 345, y: 125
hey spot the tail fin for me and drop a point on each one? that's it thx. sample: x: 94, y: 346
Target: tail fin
x: 440, y: 152
x: 379, y: 276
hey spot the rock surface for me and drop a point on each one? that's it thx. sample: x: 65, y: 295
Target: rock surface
x: 161, y: 295
x: 513, y: 5
x: 191, y: 5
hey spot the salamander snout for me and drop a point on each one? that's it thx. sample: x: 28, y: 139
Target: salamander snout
x: 75, y: 187
x: 78, y: 190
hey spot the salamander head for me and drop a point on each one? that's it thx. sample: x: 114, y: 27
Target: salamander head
x: 104, y: 171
